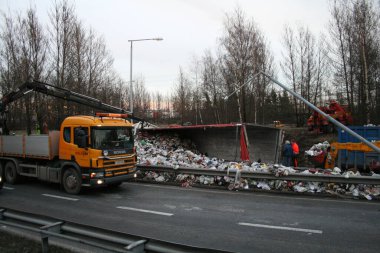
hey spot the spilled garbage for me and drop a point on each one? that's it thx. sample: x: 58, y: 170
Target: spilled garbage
x: 318, y: 149
x: 171, y: 151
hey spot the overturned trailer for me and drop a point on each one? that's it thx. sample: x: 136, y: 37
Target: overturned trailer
x: 232, y: 142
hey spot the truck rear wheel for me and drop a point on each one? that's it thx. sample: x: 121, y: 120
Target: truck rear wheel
x: 10, y: 173
x: 71, y: 181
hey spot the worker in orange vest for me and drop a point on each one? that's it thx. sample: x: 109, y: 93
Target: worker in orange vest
x: 296, y: 152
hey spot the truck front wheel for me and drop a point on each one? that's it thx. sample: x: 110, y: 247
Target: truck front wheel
x: 10, y: 172
x: 71, y: 181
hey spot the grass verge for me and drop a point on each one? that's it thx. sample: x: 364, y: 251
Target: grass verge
x: 10, y: 243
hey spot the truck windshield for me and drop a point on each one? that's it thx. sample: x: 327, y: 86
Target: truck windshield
x: 112, y: 138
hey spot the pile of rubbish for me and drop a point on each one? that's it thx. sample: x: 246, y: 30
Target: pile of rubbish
x: 167, y: 150
x: 318, y: 149
x: 171, y: 151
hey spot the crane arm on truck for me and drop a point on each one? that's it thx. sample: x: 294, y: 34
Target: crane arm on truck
x: 57, y: 92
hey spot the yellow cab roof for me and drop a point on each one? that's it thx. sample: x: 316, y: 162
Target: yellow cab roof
x: 94, y: 121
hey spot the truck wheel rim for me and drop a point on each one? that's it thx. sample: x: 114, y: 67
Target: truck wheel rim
x: 10, y: 173
x: 71, y: 181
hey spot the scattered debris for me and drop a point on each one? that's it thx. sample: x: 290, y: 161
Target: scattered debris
x: 318, y: 149
x: 171, y: 151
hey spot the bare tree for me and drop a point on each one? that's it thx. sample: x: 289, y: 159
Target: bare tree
x: 10, y: 65
x: 182, y: 96
x: 23, y: 53
x: 289, y: 64
x: 62, y: 25
x: 78, y: 58
x: 304, y: 65
x: 354, y: 31
x: 264, y: 60
x: 33, y: 55
x: 367, y: 32
x: 243, y: 54
x: 37, y: 47
x: 10, y: 51
x: 72, y: 58
x: 212, y: 86
x: 142, y: 99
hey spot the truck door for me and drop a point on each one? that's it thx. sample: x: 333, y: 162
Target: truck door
x: 81, y: 140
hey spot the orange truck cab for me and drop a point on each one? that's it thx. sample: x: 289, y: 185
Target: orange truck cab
x: 102, y: 148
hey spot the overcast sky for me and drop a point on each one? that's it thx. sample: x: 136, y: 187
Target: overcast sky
x: 188, y: 28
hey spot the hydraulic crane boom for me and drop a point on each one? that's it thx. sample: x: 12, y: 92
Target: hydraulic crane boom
x: 57, y: 92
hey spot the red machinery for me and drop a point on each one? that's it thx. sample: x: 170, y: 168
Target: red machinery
x: 322, y: 124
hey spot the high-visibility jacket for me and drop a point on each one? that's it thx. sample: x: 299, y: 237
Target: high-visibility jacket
x: 295, y: 148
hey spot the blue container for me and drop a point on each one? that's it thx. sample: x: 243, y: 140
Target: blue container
x: 357, y: 159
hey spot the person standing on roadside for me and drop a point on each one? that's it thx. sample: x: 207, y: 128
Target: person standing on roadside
x: 287, y: 153
x: 296, y: 152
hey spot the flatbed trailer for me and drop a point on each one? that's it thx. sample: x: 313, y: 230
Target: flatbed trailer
x: 42, y: 146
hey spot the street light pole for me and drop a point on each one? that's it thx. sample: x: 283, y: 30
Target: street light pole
x: 130, y: 82
x: 130, y: 73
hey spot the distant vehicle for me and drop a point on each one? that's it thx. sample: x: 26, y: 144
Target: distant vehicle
x: 87, y: 151
x: 322, y: 124
x: 278, y: 124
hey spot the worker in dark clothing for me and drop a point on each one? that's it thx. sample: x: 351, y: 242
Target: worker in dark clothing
x: 296, y: 152
x: 287, y: 153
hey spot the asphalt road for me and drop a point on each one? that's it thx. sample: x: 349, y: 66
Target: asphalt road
x: 233, y: 221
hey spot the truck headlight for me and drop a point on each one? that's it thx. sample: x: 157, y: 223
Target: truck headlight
x: 105, y: 152
x: 96, y: 174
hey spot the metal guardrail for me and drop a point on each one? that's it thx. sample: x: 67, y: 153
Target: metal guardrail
x: 371, y: 180
x: 92, y: 236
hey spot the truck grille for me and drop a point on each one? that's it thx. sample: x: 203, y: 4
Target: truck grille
x: 119, y: 166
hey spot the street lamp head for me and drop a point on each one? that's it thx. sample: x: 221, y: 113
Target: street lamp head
x: 158, y: 39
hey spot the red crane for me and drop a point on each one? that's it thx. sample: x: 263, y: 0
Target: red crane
x: 321, y: 124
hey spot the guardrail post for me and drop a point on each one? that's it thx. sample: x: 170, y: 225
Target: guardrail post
x: 136, y: 247
x: 54, y: 227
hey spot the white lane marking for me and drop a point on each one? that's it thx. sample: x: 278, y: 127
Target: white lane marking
x: 282, y: 228
x: 170, y: 206
x: 193, y: 208
x: 8, y: 188
x: 256, y: 194
x: 59, y: 197
x: 144, y: 210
